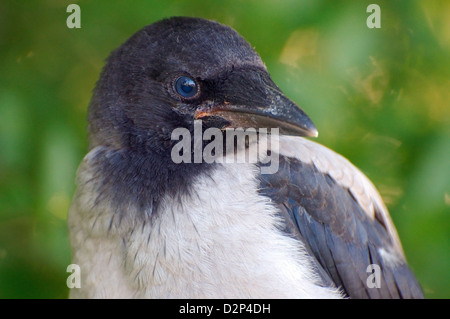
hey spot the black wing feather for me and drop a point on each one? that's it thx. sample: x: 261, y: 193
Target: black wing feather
x: 341, y: 237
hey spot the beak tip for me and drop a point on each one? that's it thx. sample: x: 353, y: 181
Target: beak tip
x: 314, y: 132
x: 310, y: 130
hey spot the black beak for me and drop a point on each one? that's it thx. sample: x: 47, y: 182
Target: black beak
x: 250, y: 99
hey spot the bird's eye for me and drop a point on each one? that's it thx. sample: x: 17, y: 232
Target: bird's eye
x: 186, y: 87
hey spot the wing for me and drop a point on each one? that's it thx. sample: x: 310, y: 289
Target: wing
x: 328, y: 204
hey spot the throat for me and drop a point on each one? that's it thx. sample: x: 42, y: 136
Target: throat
x: 143, y: 180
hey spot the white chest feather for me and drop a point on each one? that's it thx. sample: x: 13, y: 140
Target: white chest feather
x: 222, y: 241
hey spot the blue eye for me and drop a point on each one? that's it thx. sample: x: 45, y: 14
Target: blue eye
x: 186, y: 87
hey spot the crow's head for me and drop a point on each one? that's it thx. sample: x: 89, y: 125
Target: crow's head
x: 178, y: 70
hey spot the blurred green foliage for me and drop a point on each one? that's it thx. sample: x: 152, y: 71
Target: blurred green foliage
x: 381, y: 97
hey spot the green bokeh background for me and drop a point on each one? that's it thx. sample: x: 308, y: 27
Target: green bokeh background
x: 381, y: 97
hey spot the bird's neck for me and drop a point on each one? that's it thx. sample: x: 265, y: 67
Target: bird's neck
x: 125, y: 177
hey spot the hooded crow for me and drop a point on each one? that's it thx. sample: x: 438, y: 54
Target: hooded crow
x: 145, y: 224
